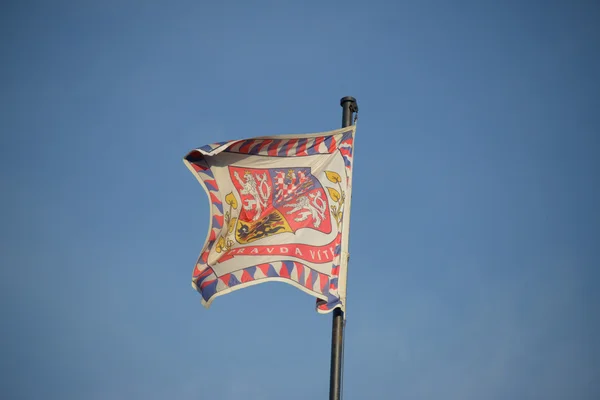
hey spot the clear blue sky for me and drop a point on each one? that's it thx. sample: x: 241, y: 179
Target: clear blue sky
x: 475, y: 241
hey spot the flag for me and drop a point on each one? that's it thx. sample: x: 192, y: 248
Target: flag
x: 279, y: 211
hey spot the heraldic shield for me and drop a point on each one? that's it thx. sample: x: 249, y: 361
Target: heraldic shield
x: 278, y: 200
x: 280, y: 211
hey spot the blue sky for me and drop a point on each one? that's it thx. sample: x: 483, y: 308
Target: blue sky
x: 475, y: 277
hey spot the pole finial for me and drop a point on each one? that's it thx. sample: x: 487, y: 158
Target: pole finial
x: 351, y: 100
x: 350, y: 107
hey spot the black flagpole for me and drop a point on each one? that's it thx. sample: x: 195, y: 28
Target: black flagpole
x: 349, y: 106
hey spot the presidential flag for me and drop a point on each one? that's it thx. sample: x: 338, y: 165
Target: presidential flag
x: 280, y: 211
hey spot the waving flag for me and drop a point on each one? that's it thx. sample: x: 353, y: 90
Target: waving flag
x: 280, y: 211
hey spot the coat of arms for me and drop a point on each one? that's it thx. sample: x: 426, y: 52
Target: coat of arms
x: 278, y: 200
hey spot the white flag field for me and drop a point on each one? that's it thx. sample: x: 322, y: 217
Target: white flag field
x: 279, y: 211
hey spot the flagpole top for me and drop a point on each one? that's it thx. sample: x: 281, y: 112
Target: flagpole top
x: 350, y: 103
x: 346, y: 99
x: 350, y: 107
